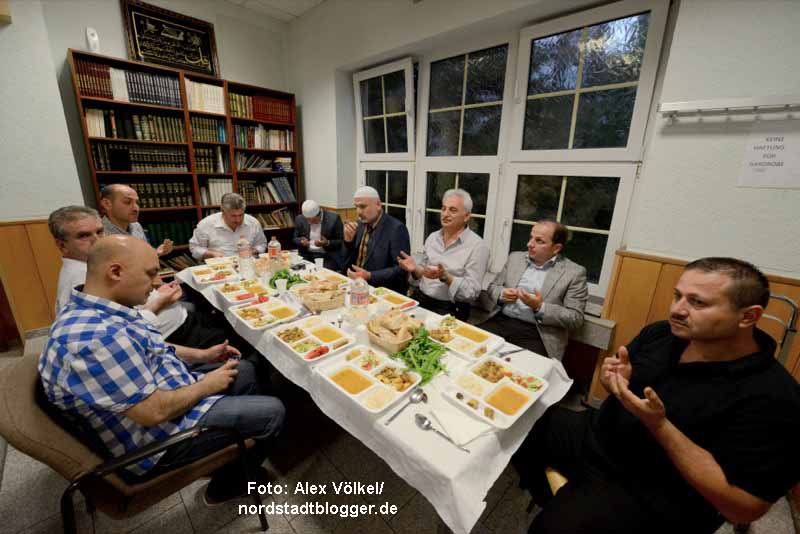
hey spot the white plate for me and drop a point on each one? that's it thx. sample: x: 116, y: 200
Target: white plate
x: 468, y: 348
x: 225, y: 260
x: 236, y: 296
x: 310, y: 328
x: 401, y: 302
x: 324, y: 274
x: 206, y: 275
x: 468, y: 385
x: 389, y: 393
x: 266, y: 309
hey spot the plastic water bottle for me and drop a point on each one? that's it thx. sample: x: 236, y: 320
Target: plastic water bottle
x: 359, y: 300
x: 274, y: 250
x: 246, y: 263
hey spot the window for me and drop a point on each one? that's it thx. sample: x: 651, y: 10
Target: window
x: 384, y: 98
x: 466, y: 103
x: 475, y: 183
x: 586, y: 82
x: 392, y: 186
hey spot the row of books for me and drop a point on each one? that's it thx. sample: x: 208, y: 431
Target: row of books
x: 179, y: 231
x: 282, y: 164
x: 260, y: 108
x: 275, y: 219
x: 262, y: 192
x: 163, y: 194
x: 205, y: 97
x: 284, y: 190
x: 97, y: 79
x: 116, y: 157
x: 210, y: 160
x: 260, y: 137
x: 247, y: 162
x: 211, y: 194
x: 178, y: 262
x: 208, y: 129
x: 121, y: 124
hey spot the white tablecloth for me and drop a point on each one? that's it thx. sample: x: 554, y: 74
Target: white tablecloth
x: 455, y: 482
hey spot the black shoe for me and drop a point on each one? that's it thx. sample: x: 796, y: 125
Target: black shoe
x: 221, y: 490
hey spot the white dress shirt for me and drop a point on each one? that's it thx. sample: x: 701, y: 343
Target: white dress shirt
x: 73, y: 273
x: 532, y: 278
x: 314, y: 235
x: 213, y: 234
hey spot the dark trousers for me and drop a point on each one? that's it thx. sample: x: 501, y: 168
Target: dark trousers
x: 516, y: 332
x: 459, y: 310
x: 593, y: 500
x: 254, y: 416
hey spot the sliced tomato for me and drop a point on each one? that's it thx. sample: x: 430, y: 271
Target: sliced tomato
x: 316, y: 353
x: 263, y: 298
x: 245, y: 296
x: 408, y: 304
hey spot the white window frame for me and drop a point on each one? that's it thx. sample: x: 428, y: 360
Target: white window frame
x: 627, y: 177
x: 633, y: 151
x: 406, y: 166
x: 407, y: 66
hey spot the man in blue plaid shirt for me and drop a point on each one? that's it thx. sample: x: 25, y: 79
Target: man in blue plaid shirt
x: 106, y: 366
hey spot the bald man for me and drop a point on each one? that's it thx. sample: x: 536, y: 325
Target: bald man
x: 318, y: 234
x: 109, y: 370
x: 121, y: 206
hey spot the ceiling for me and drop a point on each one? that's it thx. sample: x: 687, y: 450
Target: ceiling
x: 285, y: 10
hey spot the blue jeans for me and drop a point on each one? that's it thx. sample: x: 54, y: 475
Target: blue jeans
x: 254, y: 416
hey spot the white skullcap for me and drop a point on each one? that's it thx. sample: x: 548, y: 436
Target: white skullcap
x: 310, y: 209
x: 366, y: 192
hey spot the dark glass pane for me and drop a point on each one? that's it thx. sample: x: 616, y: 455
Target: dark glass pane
x: 397, y: 213
x: 477, y: 225
x: 371, y: 99
x: 447, y: 82
x: 438, y: 183
x: 547, y: 122
x: 377, y: 179
x: 554, y: 63
x: 520, y: 235
x: 614, y: 51
x: 374, y: 141
x: 604, y: 118
x: 537, y: 197
x: 481, y: 131
x: 486, y: 73
x: 396, y: 133
x: 432, y: 222
x: 394, y: 91
x: 443, y: 133
x: 398, y: 187
x: 589, y: 202
x: 477, y: 185
x: 587, y: 250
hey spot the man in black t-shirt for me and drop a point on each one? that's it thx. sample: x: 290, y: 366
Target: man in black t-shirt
x: 702, y: 425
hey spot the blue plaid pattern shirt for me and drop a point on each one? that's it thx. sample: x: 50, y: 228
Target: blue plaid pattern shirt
x: 102, y: 358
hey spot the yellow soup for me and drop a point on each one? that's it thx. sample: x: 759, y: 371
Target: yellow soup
x: 471, y: 333
x: 351, y: 380
x: 281, y: 313
x: 326, y: 334
x: 394, y: 299
x: 508, y: 399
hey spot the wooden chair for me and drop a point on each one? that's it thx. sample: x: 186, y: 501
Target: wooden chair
x: 27, y: 421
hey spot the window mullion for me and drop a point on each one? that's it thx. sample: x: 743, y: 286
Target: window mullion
x: 561, y: 198
x: 385, y: 124
x: 581, y: 56
x: 463, y: 101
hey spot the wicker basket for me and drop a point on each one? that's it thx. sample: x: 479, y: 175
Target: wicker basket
x: 323, y: 305
x: 388, y: 346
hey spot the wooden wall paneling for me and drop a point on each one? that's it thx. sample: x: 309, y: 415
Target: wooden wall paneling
x: 662, y: 298
x: 780, y: 309
x: 5, y: 12
x: 48, y: 259
x: 21, y: 279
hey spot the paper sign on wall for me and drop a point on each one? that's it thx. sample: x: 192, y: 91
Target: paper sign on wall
x: 772, y: 157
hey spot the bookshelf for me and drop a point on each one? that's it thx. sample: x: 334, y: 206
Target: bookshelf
x: 181, y: 139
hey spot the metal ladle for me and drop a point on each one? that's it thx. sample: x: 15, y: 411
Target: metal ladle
x: 425, y: 424
x: 418, y: 395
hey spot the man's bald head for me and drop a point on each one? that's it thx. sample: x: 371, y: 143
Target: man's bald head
x: 120, y: 204
x: 111, y: 191
x: 122, y: 268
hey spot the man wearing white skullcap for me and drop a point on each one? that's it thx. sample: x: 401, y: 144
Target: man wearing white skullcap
x: 372, y: 245
x: 318, y: 234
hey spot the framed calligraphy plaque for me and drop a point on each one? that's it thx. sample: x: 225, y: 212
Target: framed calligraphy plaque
x: 157, y: 35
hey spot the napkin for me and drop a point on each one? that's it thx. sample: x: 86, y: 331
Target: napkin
x: 461, y: 427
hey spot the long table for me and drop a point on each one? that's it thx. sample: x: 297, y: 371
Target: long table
x: 455, y: 482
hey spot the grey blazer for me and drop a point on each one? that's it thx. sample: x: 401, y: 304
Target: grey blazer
x: 564, y: 291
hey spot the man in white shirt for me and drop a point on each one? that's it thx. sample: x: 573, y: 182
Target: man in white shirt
x: 121, y: 206
x: 318, y: 234
x: 217, y: 235
x: 449, y: 272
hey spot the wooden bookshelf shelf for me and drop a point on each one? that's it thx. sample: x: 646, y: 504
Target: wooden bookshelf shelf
x: 139, y: 141
x: 96, y: 77
x: 167, y: 208
x: 101, y: 100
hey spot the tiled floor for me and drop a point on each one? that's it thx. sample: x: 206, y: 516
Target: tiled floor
x: 313, y: 449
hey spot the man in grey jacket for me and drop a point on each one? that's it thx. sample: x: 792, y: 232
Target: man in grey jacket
x: 543, y: 294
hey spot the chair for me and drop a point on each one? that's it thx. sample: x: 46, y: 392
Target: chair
x: 27, y: 425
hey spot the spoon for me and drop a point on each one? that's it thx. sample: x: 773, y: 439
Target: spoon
x: 339, y: 319
x: 418, y: 395
x: 425, y: 424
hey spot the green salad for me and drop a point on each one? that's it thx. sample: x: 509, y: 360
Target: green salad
x: 423, y: 356
x: 284, y: 274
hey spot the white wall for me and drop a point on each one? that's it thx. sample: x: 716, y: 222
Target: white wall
x: 38, y: 169
x: 686, y: 202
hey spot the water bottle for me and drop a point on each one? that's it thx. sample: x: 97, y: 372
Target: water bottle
x: 274, y: 250
x: 359, y: 300
x: 246, y: 263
